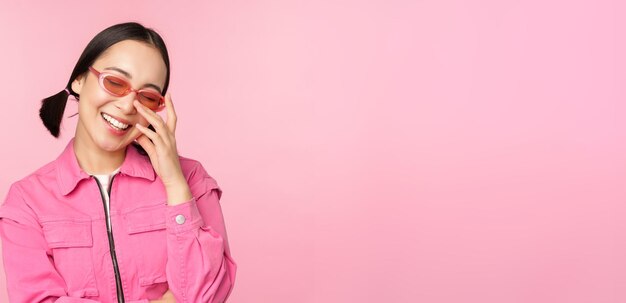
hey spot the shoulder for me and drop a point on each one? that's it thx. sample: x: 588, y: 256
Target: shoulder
x: 197, y: 176
x: 193, y: 169
x: 16, y: 204
x: 44, y: 177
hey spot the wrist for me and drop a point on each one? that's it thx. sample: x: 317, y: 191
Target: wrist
x: 173, y: 179
x: 175, y: 183
x: 178, y: 193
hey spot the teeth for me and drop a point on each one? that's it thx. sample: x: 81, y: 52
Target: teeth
x: 115, y: 123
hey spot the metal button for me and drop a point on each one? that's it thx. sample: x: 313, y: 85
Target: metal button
x: 180, y: 219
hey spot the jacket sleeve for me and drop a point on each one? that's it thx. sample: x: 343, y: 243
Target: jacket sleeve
x: 199, y: 266
x: 29, y: 268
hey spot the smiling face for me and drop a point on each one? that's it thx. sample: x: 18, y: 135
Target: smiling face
x: 106, y: 122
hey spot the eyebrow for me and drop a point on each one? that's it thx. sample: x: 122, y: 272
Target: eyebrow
x: 127, y: 74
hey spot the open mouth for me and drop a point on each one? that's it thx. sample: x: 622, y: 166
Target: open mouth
x: 115, y: 123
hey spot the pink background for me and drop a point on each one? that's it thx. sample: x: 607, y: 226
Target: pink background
x: 377, y: 151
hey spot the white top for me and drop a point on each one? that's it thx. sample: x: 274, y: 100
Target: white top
x: 105, y: 180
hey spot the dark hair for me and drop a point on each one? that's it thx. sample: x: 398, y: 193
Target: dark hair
x: 53, y: 107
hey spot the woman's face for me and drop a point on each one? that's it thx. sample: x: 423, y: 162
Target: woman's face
x: 143, y: 67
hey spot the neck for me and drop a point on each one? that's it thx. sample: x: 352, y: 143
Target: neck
x: 94, y: 160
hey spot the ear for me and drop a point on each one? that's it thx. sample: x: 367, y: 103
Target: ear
x: 77, y: 84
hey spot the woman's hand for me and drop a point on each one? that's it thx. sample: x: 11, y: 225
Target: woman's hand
x: 162, y: 150
x: 168, y: 297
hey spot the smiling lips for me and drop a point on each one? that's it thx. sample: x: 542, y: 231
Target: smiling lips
x: 114, y: 123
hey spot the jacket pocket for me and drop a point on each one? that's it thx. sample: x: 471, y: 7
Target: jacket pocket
x: 66, y: 234
x: 145, y: 219
x: 71, y: 243
x: 148, y: 239
x: 149, y: 281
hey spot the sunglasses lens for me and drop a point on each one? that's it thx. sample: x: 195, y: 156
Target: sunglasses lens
x: 120, y: 87
x: 150, y: 99
x: 115, y: 85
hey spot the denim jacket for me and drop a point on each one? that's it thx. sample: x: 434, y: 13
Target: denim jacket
x: 56, y: 247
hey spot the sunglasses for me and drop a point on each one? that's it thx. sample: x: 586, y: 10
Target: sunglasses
x: 119, y: 87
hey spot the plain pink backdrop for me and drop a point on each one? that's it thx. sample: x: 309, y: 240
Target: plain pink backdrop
x: 376, y: 151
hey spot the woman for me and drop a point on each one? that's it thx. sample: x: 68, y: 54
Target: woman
x: 118, y: 216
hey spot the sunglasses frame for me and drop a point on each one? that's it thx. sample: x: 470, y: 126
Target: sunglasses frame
x: 102, y: 75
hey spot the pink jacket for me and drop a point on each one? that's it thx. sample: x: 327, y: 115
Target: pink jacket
x: 56, y: 246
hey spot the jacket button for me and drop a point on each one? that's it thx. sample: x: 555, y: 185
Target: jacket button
x: 180, y: 219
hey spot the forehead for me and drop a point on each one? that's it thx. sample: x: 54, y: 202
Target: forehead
x: 141, y: 60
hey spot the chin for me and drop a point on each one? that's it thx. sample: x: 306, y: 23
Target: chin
x: 111, y: 145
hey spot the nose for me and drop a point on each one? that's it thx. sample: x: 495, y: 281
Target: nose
x: 125, y: 103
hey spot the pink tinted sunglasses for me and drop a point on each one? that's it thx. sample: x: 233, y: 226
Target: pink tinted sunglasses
x: 119, y: 87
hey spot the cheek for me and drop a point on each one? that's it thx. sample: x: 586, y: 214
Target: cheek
x: 91, y: 103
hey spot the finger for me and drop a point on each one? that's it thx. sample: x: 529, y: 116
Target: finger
x: 154, y: 119
x: 147, y: 145
x: 157, y: 122
x: 171, y: 113
x: 156, y: 139
x: 168, y: 294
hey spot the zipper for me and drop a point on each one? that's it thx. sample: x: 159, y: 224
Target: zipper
x: 116, y: 270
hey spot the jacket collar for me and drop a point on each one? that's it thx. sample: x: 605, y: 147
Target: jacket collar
x: 70, y: 174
